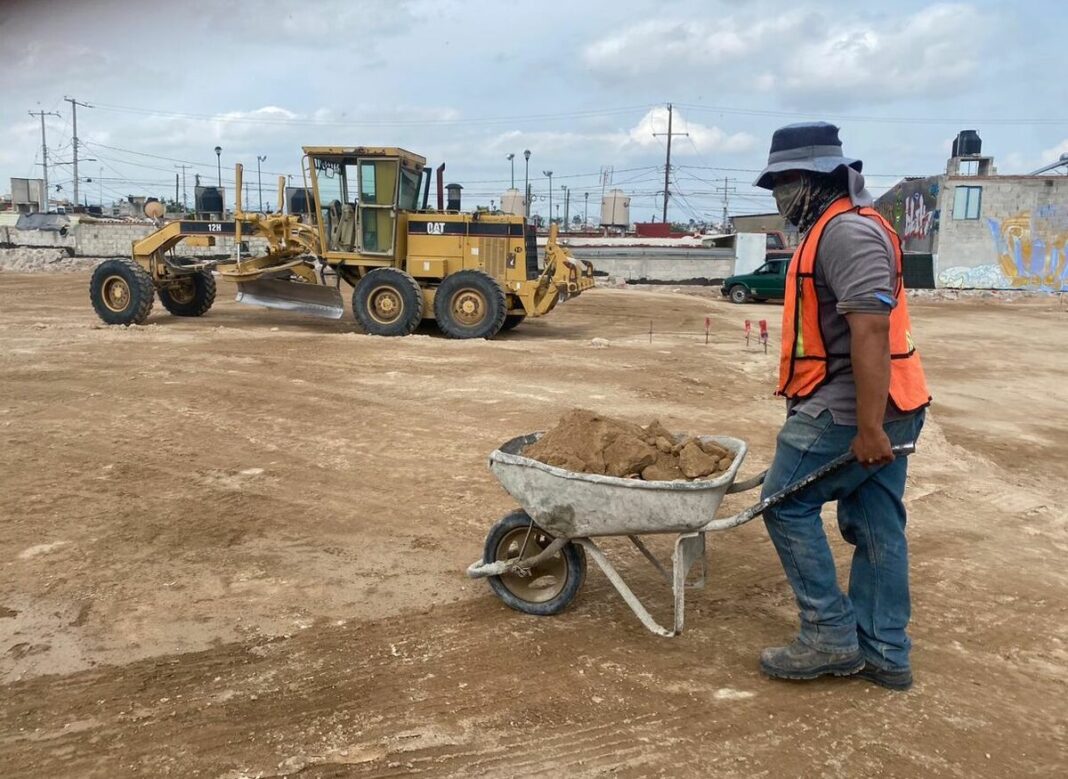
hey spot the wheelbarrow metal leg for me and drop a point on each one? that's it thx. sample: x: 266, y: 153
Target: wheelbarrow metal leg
x: 650, y: 557
x: 689, y: 547
x: 594, y: 551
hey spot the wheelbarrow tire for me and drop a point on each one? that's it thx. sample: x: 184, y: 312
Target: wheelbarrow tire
x: 515, y: 591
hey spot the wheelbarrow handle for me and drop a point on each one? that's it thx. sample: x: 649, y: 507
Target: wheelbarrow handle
x: 835, y: 465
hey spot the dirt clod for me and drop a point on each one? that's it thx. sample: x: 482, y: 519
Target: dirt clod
x: 586, y: 442
x: 695, y: 463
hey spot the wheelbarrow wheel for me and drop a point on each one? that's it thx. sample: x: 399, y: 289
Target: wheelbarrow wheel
x: 551, y: 585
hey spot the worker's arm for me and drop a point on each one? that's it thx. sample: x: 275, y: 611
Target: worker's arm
x: 869, y: 348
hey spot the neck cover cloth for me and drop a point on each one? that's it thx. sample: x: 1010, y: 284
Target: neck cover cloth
x: 801, y: 202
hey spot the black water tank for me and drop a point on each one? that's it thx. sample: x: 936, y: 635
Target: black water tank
x: 210, y: 201
x: 453, y: 197
x: 968, y: 144
x: 300, y: 201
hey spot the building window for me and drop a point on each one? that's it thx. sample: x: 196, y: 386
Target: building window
x: 966, y: 202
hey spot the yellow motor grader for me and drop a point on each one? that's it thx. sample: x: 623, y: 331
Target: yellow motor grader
x: 473, y: 273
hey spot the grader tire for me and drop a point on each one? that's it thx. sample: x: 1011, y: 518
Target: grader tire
x: 512, y: 321
x: 121, y: 292
x: 470, y: 304
x: 193, y: 298
x: 389, y: 302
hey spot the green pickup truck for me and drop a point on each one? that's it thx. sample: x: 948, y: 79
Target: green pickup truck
x: 767, y: 281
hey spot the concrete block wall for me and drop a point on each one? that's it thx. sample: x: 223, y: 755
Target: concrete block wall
x: 1018, y: 241
x: 651, y: 268
x: 88, y: 239
x: 10, y: 236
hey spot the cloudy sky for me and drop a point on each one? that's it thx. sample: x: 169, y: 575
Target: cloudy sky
x: 582, y: 84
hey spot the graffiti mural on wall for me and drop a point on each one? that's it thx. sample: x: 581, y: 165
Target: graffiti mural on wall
x: 918, y: 218
x: 912, y: 208
x: 1030, y: 250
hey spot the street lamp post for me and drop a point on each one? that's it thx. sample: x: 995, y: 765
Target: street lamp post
x: 549, y: 173
x: 526, y: 183
x: 259, y: 178
x: 218, y: 162
x: 511, y: 159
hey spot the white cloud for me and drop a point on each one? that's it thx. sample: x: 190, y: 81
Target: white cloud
x: 634, y: 141
x: 705, y: 139
x: 664, y: 46
x: 932, y: 53
x: 838, y: 57
x: 1054, y: 154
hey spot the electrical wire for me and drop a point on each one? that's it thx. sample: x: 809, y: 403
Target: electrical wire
x: 862, y: 118
x: 374, y: 123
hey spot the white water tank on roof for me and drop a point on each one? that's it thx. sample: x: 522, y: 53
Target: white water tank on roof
x: 615, y: 209
x: 512, y: 202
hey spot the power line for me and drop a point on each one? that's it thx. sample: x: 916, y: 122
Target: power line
x: 667, y: 165
x: 44, y: 154
x: 74, y: 139
x: 373, y: 123
x: 862, y: 118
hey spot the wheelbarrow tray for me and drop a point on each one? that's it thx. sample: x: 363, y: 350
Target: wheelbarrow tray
x: 567, y: 504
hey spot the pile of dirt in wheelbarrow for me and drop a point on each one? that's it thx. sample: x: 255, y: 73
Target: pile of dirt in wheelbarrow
x: 586, y: 442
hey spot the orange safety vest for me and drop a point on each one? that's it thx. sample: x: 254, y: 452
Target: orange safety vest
x: 803, y: 359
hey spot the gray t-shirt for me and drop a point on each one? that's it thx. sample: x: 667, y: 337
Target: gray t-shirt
x: 856, y: 271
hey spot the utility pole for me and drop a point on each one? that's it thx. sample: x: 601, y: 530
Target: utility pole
x: 185, y: 196
x: 175, y: 187
x: 549, y: 173
x: 606, y: 176
x: 726, y: 190
x: 586, y: 212
x: 44, y: 156
x: 667, y: 165
x: 567, y: 202
x: 74, y: 119
x: 526, y: 183
x: 259, y: 178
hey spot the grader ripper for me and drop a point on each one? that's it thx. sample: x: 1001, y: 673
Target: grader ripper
x: 473, y: 273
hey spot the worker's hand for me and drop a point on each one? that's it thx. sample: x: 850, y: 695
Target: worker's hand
x: 872, y: 448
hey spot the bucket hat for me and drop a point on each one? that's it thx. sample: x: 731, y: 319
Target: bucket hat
x: 805, y: 146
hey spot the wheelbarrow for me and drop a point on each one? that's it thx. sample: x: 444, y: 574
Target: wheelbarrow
x: 535, y: 558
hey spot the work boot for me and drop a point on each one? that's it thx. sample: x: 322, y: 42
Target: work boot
x: 800, y: 661
x: 891, y: 680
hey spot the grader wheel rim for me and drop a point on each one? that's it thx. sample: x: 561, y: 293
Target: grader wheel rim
x: 546, y: 580
x: 469, y: 307
x: 115, y: 293
x: 183, y: 293
x: 385, y: 305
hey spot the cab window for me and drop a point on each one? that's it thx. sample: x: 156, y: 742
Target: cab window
x: 409, y: 190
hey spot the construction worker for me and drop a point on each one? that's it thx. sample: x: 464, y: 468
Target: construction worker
x: 853, y: 381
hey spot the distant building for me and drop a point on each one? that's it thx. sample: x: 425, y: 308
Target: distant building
x: 765, y: 223
x: 973, y: 228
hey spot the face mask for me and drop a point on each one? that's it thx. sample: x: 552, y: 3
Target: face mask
x: 787, y: 196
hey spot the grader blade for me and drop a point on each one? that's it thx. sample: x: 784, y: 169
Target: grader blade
x: 312, y: 299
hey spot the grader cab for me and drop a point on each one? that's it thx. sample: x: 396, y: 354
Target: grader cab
x: 370, y: 226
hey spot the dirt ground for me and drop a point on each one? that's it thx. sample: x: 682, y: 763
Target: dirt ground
x: 235, y: 547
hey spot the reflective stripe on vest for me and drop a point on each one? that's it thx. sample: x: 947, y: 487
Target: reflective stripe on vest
x: 803, y: 357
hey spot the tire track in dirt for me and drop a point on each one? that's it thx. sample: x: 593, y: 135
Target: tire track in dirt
x: 475, y: 689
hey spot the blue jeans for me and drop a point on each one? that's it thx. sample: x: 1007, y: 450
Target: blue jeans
x: 871, y: 517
